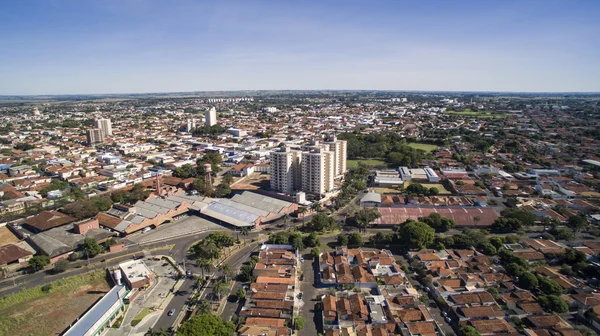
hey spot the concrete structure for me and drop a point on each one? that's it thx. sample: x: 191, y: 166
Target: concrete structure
x: 136, y: 274
x: 94, y: 136
x: 312, y: 169
x: 431, y: 175
x: 101, y: 315
x: 190, y: 125
x: 105, y: 125
x: 340, y: 148
x: 211, y: 117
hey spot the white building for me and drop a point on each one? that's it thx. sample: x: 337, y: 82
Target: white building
x: 211, y: 117
x: 312, y: 169
x: 105, y: 125
x: 94, y: 136
x: 190, y: 125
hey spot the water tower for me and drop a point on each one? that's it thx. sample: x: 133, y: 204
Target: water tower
x: 207, y: 176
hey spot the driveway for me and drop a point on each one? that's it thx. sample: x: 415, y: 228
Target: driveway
x: 310, y: 292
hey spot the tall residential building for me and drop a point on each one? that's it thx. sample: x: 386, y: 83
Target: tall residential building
x: 211, y: 117
x: 191, y: 124
x: 340, y: 148
x: 318, y: 171
x: 311, y: 169
x: 94, y: 136
x: 105, y: 125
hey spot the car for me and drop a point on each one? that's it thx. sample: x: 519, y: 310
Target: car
x: 300, y: 296
x: 449, y: 320
x: 445, y: 314
x: 171, y: 312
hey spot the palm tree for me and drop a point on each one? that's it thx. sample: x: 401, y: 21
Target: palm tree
x: 285, y: 219
x: 244, y: 231
x: 302, y: 211
x: 227, y: 271
x: 316, y: 206
x: 205, y: 265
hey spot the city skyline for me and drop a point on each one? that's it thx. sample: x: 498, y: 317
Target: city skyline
x: 112, y: 47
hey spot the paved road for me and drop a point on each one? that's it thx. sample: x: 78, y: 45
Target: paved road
x: 178, y: 252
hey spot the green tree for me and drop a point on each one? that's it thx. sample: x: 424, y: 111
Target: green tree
x: 342, y: 239
x: 81, y: 209
x: 91, y: 247
x: 297, y: 243
x: 203, y: 307
x: 299, y: 323
x: 302, y: 211
x: 506, y: 225
x: 469, y: 331
x: 553, y: 303
x: 416, y: 235
x: 438, y: 223
x: 227, y: 271
x: 220, y: 289
x: 528, y: 281
x: 577, y: 223
x: 364, y: 217
x: 355, y: 240
x: 206, y: 325
x: 525, y: 217
x: 61, y: 265
x: 241, y: 294
x: 222, y: 190
x: 549, y: 286
x: 159, y: 332
x: 312, y: 240
x: 228, y: 179
x: 315, y: 252
x: 39, y: 262
x: 102, y: 203
x: 244, y: 231
x: 205, y: 265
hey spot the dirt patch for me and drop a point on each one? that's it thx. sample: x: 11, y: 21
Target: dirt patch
x: 52, y: 313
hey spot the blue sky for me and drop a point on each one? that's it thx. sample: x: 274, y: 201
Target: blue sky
x: 121, y: 46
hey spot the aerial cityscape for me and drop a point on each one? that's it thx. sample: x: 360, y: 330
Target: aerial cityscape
x: 248, y: 168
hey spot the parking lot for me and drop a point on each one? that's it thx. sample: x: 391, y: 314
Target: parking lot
x: 154, y: 299
x: 184, y: 225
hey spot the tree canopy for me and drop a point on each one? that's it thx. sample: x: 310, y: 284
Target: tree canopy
x: 206, y: 325
x: 416, y: 235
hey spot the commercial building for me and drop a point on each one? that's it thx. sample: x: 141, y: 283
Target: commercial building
x: 101, y: 315
x: 94, y: 136
x: 136, y: 274
x: 211, y: 117
x: 105, y: 125
x: 312, y: 168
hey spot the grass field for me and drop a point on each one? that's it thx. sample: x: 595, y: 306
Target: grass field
x: 139, y: 317
x: 477, y: 114
x: 368, y: 162
x: 443, y: 191
x: 48, y: 310
x: 425, y: 147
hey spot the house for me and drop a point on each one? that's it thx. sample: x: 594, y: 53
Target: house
x: 13, y: 254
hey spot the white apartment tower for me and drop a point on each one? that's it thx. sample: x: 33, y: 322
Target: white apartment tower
x: 282, y: 170
x: 312, y: 169
x: 211, y: 117
x: 318, y: 171
x: 104, y: 125
x: 340, y: 148
x: 94, y: 136
x: 191, y: 124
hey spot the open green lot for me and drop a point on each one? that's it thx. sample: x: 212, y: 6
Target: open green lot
x: 476, y: 114
x: 382, y: 190
x: 49, y: 309
x: 425, y: 147
x: 368, y: 162
x: 443, y: 191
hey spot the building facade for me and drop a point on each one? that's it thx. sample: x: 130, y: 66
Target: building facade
x: 94, y: 136
x: 104, y: 125
x: 312, y: 168
x: 191, y: 124
x: 211, y: 117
